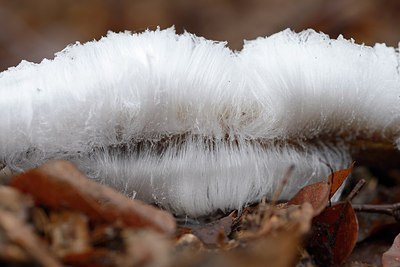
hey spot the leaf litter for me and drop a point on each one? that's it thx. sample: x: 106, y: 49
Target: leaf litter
x: 54, y: 216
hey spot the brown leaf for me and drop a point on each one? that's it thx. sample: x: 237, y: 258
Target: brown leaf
x: 337, y: 178
x: 334, y: 234
x: 208, y: 233
x: 59, y: 185
x: 316, y: 194
x: 391, y: 258
x: 21, y: 234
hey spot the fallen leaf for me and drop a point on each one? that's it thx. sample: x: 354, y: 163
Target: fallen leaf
x: 208, y: 233
x: 316, y: 194
x: 337, y: 178
x: 391, y: 258
x: 59, y: 185
x: 334, y: 234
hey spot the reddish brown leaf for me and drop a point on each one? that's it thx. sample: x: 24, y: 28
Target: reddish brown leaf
x: 391, y: 258
x: 337, y: 178
x: 209, y: 233
x: 316, y: 194
x: 59, y: 185
x: 334, y: 234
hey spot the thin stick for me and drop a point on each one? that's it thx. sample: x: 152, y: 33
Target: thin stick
x: 355, y: 190
x: 282, y: 185
x: 389, y: 209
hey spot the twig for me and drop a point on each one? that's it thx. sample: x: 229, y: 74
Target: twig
x: 282, y: 184
x: 355, y: 190
x: 388, y: 209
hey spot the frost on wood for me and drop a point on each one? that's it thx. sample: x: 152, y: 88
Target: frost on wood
x: 193, y: 126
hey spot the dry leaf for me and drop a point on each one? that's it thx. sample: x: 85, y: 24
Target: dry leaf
x: 59, y: 185
x: 334, y: 234
x: 208, y: 233
x: 337, y: 178
x: 316, y: 194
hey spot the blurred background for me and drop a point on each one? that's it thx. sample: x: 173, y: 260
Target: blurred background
x: 33, y: 30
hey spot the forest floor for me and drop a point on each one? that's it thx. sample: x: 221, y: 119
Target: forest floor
x: 55, y: 216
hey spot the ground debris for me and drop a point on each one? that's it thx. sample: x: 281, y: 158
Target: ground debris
x: 54, y: 216
x: 20, y: 235
x: 59, y: 185
x: 334, y: 234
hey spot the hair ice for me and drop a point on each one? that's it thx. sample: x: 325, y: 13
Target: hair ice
x: 190, y: 124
